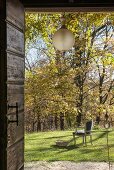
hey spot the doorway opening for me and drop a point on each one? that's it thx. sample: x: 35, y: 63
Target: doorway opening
x: 63, y: 90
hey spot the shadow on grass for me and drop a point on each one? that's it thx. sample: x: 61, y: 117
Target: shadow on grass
x: 54, y: 137
x: 83, y: 147
x: 41, y: 149
x: 68, y: 147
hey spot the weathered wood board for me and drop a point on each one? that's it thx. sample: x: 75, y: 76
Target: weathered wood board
x: 15, y: 83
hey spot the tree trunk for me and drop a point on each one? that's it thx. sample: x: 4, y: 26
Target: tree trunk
x: 98, y: 119
x: 56, y: 120
x: 51, y: 122
x: 61, y: 121
x: 68, y: 118
x: 79, y: 81
x: 33, y: 127
x: 79, y: 118
x: 38, y: 124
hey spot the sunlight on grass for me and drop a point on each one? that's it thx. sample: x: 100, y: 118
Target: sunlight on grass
x: 41, y: 147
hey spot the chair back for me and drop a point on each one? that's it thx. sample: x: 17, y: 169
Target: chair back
x: 89, y: 125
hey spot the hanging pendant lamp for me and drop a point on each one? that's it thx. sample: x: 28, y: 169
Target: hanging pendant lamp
x: 63, y: 39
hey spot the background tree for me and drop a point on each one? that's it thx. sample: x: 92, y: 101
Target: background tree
x: 63, y: 86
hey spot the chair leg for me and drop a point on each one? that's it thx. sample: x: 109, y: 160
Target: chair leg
x: 74, y: 139
x: 91, y: 139
x: 83, y: 140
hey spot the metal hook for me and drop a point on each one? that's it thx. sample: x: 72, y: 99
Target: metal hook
x: 16, y: 107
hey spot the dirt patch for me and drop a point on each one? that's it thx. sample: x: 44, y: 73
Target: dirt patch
x: 67, y: 165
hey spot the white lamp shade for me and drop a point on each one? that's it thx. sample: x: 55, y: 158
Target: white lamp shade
x: 63, y: 39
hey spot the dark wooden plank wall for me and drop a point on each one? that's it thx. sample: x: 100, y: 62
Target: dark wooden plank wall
x: 3, y: 87
x: 15, y: 83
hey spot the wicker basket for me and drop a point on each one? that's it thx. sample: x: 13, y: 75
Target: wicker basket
x: 62, y: 143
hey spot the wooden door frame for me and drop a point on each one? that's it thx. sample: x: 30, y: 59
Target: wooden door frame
x: 70, y: 9
x: 68, y: 5
x: 3, y: 84
x: 80, y: 7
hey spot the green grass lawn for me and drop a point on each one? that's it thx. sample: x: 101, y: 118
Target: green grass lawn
x: 41, y: 147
